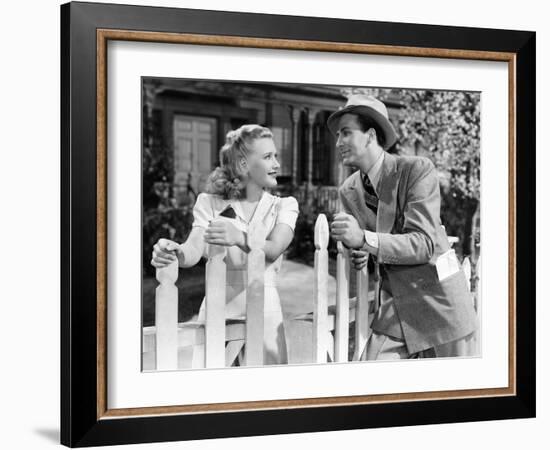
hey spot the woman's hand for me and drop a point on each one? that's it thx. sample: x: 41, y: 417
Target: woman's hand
x: 165, y: 252
x: 223, y: 232
x: 359, y: 258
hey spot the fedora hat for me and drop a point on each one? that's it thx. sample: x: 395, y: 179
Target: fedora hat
x: 370, y: 107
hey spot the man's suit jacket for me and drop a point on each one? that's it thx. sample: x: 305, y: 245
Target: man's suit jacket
x: 411, y: 239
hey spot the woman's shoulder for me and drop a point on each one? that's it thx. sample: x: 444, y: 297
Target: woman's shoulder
x: 289, y: 202
x: 283, y: 204
x: 207, y: 207
x: 212, y: 202
x: 205, y: 197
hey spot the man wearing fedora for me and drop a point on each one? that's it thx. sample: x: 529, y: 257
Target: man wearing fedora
x: 392, y: 212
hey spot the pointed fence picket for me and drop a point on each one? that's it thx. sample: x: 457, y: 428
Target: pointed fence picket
x: 166, y: 318
x: 255, y: 296
x: 475, y: 296
x: 361, y: 313
x: 467, y: 268
x: 220, y: 340
x: 215, y: 307
x: 341, y: 332
x: 320, y: 295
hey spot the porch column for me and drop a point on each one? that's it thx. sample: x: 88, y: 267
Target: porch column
x: 224, y: 128
x: 294, y: 118
x: 311, y: 115
x: 150, y: 92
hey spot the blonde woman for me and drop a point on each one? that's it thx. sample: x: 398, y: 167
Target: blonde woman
x: 235, y: 199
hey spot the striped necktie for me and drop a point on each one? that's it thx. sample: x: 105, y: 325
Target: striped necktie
x: 371, y: 199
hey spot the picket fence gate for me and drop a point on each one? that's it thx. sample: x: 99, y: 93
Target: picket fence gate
x: 223, y: 339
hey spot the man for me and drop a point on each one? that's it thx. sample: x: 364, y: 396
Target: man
x: 392, y: 208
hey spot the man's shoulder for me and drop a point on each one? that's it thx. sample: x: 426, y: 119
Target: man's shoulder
x: 414, y: 164
x: 413, y: 160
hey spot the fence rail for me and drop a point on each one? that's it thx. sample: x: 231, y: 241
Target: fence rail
x: 223, y: 339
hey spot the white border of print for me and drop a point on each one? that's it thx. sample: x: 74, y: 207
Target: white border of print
x: 128, y: 387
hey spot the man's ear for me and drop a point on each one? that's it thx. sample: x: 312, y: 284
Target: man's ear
x: 372, y: 133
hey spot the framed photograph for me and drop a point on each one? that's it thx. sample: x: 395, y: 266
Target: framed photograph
x: 278, y: 224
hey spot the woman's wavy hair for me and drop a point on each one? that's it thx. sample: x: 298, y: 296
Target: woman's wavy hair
x: 229, y: 180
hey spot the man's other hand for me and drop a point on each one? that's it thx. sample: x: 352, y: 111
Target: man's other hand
x: 344, y: 228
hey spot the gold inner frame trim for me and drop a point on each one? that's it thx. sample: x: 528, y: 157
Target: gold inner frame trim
x: 103, y: 36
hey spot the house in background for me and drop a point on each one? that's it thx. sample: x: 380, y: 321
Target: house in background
x: 187, y: 120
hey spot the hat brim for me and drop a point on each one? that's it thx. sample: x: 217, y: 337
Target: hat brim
x: 366, y: 111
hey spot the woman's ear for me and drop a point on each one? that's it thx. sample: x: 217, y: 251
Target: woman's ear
x: 243, y: 164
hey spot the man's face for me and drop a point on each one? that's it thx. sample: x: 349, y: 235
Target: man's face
x: 351, y: 141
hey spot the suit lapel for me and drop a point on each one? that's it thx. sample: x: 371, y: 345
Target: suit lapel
x: 387, y: 197
x: 355, y: 195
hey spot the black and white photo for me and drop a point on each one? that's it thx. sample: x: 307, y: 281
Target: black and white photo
x: 296, y: 224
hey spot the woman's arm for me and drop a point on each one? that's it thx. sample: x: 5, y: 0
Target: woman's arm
x: 222, y: 232
x: 278, y: 241
x: 188, y: 254
x: 192, y: 249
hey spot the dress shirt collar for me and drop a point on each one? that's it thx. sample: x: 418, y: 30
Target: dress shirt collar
x: 375, y: 172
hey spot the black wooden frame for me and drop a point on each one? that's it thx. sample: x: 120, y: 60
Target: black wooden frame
x: 80, y: 425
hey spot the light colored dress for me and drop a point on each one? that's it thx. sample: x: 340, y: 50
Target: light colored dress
x: 271, y: 210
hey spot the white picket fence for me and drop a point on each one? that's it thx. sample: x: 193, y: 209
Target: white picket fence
x: 223, y: 339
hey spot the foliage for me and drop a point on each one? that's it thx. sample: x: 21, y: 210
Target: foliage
x: 163, y: 216
x: 157, y: 157
x: 167, y: 220
x: 445, y: 127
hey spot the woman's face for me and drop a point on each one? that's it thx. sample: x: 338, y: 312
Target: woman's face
x: 263, y: 166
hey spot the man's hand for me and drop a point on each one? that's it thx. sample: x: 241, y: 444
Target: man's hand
x: 223, y: 232
x: 345, y: 228
x: 359, y: 258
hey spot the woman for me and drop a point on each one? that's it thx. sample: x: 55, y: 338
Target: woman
x: 235, y: 199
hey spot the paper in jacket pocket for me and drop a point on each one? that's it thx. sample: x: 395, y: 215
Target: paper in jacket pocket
x: 447, y: 264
